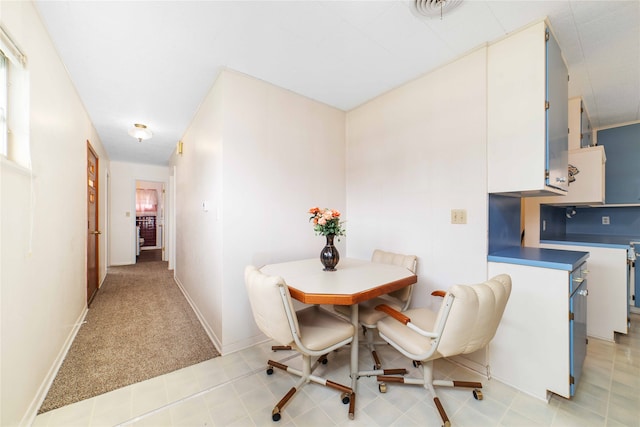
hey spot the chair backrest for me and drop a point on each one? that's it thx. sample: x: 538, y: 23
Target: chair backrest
x: 475, y: 315
x: 407, y: 261
x: 268, y: 305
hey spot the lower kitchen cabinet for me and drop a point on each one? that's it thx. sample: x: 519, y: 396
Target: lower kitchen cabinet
x: 540, y: 345
x: 608, y: 303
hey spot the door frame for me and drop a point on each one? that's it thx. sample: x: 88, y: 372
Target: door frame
x: 166, y: 206
x: 96, y: 185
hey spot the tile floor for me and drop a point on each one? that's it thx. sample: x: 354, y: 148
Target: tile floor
x: 234, y: 390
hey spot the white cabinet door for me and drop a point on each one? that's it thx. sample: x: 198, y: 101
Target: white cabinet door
x: 589, y: 185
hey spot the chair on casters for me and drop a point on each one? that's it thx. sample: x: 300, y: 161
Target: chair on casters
x: 313, y: 332
x: 368, y: 316
x: 467, y: 321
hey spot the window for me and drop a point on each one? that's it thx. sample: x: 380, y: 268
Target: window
x: 14, y: 102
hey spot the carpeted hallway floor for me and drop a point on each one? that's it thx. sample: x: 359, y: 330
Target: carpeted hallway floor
x: 139, y: 326
x: 149, y: 255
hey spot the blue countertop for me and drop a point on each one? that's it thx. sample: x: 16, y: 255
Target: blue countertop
x: 537, y: 257
x: 596, y: 240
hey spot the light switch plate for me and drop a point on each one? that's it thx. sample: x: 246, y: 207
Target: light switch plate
x: 458, y: 216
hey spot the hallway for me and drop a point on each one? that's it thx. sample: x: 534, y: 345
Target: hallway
x: 139, y: 326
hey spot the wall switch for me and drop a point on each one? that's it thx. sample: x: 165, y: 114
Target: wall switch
x: 605, y: 220
x: 458, y: 216
x: 127, y: 214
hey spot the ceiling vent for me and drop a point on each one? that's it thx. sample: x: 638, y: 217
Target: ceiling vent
x: 434, y: 8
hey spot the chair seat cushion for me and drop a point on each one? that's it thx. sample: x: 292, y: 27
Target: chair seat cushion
x: 367, y: 313
x: 412, y: 342
x: 320, y: 329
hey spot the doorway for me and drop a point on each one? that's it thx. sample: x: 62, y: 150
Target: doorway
x: 93, y: 232
x: 150, y: 216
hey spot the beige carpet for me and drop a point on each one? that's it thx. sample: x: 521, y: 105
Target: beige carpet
x: 139, y: 326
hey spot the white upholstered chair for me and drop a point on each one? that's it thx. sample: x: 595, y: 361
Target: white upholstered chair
x: 466, y: 321
x: 312, y: 331
x: 368, y: 316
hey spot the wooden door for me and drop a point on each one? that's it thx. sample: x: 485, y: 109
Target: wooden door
x: 93, y: 233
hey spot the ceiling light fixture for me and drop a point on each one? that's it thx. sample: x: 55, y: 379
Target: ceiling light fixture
x: 140, y: 132
x: 431, y: 8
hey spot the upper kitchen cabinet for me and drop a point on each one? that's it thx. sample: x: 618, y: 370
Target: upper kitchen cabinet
x: 580, y: 132
x: 527, y: 116
x: 588, y: 187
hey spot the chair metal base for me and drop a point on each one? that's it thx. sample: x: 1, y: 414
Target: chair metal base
x: 429, y: 383
x: 347, y: 395
x: 280, y: 347
x: 368, y: 332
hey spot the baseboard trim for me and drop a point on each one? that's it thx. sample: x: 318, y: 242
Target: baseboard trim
x: 471, y: 365
x: 212, y: 336
x: 32, y: 411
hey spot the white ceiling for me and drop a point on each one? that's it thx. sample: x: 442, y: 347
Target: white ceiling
x: 153, y: 62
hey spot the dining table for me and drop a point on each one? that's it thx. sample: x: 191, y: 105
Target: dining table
x: 353, y: 281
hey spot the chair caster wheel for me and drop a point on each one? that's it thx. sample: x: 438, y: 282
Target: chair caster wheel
x: 477, y: 394
x: 275, y: 416
x: 269, y: 371
x: 416, y: 363
x: 346, y: 398
x: 382, y: 388
x: 324, y: 361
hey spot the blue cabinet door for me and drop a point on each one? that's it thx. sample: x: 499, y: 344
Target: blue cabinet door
x: 557, y: 114
x: 577, y: 329
x: 622, y: 179
x: 636, y: 283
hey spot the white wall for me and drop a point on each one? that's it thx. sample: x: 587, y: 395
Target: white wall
x: 414, y: 154
x: 43, y: 226
x: 122, y: 232
x: 261, y: 156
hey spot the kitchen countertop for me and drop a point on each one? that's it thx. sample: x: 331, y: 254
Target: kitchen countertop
x: 596, y: 240
x: 538, y: 257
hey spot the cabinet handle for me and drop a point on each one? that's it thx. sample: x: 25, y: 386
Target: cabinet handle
x: 585, y: 272
x: 578, y: 280
x: 584, y: 292
x: 561, y: 179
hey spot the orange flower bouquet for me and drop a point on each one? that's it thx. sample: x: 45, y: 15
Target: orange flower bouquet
x: 326, y: 222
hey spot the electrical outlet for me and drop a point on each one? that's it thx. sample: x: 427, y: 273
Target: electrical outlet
x: 605, y: 220
x: 458, y: 216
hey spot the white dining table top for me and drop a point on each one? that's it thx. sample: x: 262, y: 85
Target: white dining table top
x: 353, y: 281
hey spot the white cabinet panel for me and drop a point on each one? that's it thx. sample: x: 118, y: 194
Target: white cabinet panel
x: 530, y: 351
